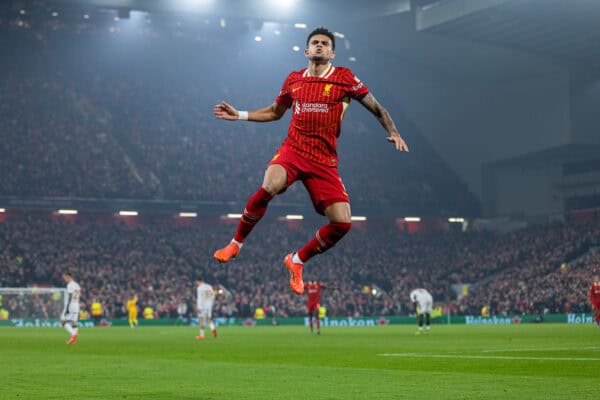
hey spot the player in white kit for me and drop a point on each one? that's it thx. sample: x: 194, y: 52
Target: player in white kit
x: 422, y: 299
x: 205, y: 296
x: 71, y: 313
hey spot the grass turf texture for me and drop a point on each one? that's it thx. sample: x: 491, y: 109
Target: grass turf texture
x: 522, y: 361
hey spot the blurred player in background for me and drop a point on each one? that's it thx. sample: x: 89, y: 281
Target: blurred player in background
x: 423, y: 302
x: 132, y: 311
x: 313, y: 302
x: 71, y: 313
x: 318, y: 95
x: 595, y: 298
x: 205, y: 296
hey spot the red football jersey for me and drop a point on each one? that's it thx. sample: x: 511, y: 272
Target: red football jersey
x: 313, y: 291
x: 318, y: 106
x: 595, y: 293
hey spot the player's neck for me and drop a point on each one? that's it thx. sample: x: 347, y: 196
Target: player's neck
x: 316, y: 70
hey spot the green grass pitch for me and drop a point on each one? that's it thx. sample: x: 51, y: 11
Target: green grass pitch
x: 452, y: 362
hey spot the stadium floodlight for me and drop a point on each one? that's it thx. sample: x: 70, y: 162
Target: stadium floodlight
x: 126, y: 213
x: 54, y: 14
x: 412, y: 219
x: 300, y: 25
x: 233, y: 216
x: 223, y: 23
x: 339, y: 35
x: 86, y: 16
x: 22, y: 11
x: 358, y: 218
x: 459, y: 219
x: 296, y: 48
x: 67, y: 212
x: 352, y: 59
x: 294, y: 217
x: 194, y: 5
x: 283, y: 4
x: 2, y: 210
x: 188, y: 214
x: 258, y: 38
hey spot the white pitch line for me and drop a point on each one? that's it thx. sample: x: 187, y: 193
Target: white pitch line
x: 415, y: 355
x: 589, y: 348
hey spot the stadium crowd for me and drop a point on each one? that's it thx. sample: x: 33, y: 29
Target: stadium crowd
x: 537, y: 270
x: 114, y: 128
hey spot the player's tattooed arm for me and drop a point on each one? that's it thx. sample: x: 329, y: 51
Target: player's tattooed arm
x: 383, y: 116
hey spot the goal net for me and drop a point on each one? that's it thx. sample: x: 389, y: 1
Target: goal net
x: 32, y: 303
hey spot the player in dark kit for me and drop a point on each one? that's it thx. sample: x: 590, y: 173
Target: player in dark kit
x: 318, y: 96
x: 594, y: 297
x: 313, y: 302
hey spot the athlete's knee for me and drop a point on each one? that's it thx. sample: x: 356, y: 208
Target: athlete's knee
x: 341, y: 228
x: 274, y: 187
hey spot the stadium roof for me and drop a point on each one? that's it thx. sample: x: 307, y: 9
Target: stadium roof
x: 567, y: 31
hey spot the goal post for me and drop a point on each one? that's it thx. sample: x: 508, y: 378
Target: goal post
x: 32, y: 303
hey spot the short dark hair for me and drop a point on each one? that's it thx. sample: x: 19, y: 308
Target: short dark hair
x: 199, y: 278
x: 68, y: 273
x: 322, y: 31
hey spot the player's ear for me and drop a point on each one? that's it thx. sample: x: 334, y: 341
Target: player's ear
x: 306, y: 52
x: 332, y: 56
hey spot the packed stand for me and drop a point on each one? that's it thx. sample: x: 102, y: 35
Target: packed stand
x: 158, y: 259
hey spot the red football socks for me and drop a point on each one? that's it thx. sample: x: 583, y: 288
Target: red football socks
x: 255, y: 209
x: 324, y: 239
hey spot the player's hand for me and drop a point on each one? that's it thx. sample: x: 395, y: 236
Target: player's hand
x: 397, y: 139
x: 226, y: 111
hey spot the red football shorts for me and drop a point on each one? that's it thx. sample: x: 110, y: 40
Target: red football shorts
x: 322, y: 182
x: 312, y: 307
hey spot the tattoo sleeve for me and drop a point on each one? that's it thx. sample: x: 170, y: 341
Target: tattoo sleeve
x: 382, y: 115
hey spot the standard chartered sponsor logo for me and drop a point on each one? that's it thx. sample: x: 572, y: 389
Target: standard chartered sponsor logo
x: 313, y: 107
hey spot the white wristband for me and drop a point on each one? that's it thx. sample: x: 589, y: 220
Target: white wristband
x: 243, y: 115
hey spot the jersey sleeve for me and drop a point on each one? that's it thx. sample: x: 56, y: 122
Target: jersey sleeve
x: 356, y: 89
x: 285, y: 96
x: 71, y: 288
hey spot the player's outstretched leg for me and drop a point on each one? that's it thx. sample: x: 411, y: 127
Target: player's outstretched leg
x: 325, y: 238
x: 254, y: 211
x: 427, y: 321
x: 310, y: 321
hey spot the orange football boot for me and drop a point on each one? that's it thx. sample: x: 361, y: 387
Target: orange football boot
x: 295, y: 274
x: 73, y: 339
x: 200, y: 337
x: 227, y: 253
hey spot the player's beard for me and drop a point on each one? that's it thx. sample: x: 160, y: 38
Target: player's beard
x: 318, y: 59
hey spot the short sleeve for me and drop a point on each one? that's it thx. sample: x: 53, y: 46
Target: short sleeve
x: 285, y: 96
x: 357, y: 90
